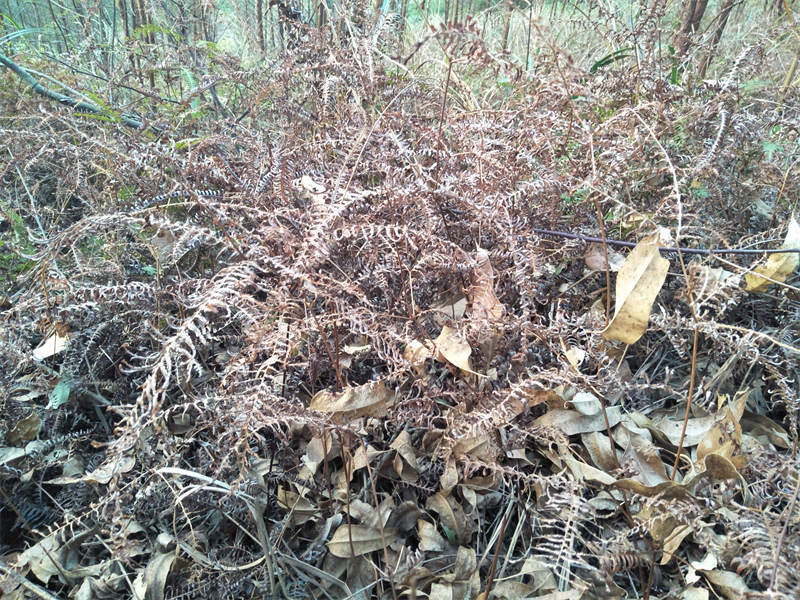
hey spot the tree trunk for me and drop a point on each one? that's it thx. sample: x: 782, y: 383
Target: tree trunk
x: 260, y: 25
x: 724, y: 13
x: 690, y: 23
x: 507, y: 23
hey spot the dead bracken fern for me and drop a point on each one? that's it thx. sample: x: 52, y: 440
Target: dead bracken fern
x: 321, y: 351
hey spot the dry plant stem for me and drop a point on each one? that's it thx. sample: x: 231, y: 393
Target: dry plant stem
x: 380, y: 519
x: 28, y: 585
x: 339, y: 380
x: 716, y: 252
x: 608, y: 312
x: 345, y: 464
x: 782, y: 538
x: 689, y: 293
x: 490, y: 578
x: 328, y: 350
x: 783, y: 187
x: 688, y: 407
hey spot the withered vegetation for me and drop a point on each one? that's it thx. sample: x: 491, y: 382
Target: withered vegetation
x: 315, y: 348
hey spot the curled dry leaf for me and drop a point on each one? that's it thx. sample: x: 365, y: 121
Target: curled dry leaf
x: 155, y: 575
x: 484, y: 303
x: 571, y: 422
x: 310, y: 190
x: 369, y: 399
x: 429, y: 538
x: 639, y: 280
x: 596, y: 260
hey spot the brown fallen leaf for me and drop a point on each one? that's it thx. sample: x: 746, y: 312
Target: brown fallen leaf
x: 596, y: 260
x: 729, y: 584
x: 25, y: 429
x: 485, y: 304
x: 369, y: 399
x: 364, y: 540
x: 430, y: 540
x: 571, y: 422
x: 639, y: 280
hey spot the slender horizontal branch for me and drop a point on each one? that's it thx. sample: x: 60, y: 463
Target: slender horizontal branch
x: 703, y: 251
x: 80, y: 105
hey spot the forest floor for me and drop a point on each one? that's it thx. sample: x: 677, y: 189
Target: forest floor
x: 359, y: 330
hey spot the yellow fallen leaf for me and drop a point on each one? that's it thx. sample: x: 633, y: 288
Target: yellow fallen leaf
x: 778, y: 266
x: 453, y: 348
x: 639, y: 280
x: 52, y: 345
x: 724, y: 438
